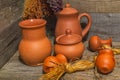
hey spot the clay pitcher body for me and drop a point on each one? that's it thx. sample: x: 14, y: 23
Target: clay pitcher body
x: 34, y: 46
x: 69, y: 18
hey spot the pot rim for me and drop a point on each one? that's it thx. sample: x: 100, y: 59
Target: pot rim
x: 32, y: 23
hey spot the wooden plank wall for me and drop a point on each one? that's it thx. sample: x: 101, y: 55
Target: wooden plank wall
x: 95, y: 5
x: 10, y: 33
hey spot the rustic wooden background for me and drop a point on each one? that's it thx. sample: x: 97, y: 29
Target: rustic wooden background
x: 10, y: 33
x: 105, y: 23
x: 95, y: 5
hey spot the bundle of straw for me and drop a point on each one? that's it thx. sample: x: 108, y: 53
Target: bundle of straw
x: 79, y: 66
x: 54, y: 74
x: 58, y: 71
x: 115, y: 50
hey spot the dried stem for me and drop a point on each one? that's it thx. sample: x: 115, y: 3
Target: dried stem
x: 79, y: 65
x: 115, y: 50
x: 58, y: 71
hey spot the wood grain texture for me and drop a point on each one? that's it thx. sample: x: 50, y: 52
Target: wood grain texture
x: 10, y: 11
x: 9, y: 40
x: 16, y: 70
x: 95, y: 5
x: 104, y: 25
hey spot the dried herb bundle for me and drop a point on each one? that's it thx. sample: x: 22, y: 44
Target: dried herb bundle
x: 56, y: 5
x: 32, y: 9
x: 36, y: 9
x: 58, y: 71
x: 47, y: 11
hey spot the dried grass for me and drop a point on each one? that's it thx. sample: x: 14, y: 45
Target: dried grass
x: 35, y: 9
x: 115, y: 50
x: 58, y: 71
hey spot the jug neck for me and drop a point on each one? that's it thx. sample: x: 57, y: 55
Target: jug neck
x: 34, y: 33
x: 106, y: 42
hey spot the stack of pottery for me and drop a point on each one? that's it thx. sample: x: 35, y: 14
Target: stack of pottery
x: 69, y: 34
x: 34, y: 46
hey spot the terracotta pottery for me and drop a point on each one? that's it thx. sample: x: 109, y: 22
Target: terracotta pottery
x: 106, y: 51
x: 34, y: 46
x: 69, y: 18
x: 70, y: 45
x: 96, y: 42
x: 105, y: 61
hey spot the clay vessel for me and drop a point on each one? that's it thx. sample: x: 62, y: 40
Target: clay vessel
x: 69, y: 44
x: 105, y: 61
x: 69, y: 18
x: 96, y: 42
x: 34, y: 46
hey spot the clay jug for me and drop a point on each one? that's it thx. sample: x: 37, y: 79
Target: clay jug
x: 96, y: 42
x: 34, y: 46
x: 69, y: 44
x: 69, y: 18
x: 105, y: 61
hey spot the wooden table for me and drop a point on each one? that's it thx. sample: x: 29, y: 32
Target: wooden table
x: 16, y: 70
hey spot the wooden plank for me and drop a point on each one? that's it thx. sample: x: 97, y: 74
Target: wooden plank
x: 16, y: 70
x: 10, y: 12
x: 104, y: 25
x: 9, y: 40
x: 95, y: 5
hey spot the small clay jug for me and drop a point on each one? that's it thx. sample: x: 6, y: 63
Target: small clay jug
x: 70, y: 45
x: 96, y: 42
x: 34, y: 46
x: 105, y: 61
x: 69, y: 18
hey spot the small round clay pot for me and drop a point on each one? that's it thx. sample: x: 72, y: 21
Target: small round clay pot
x: 70, y: 45
x: 34, y: 46
x: 96, y: 42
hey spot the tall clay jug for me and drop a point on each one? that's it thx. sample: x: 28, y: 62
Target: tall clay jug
x: 69, y: 18
x: 34, y: 46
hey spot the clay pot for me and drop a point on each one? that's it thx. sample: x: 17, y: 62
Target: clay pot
x: 105, y: 61
x: 69, y: 18
x: 70, y: 45
x: 96, y: 42
x: 34, y: 46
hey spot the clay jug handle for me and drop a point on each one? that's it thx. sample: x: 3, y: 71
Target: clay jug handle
x: 86, y: 29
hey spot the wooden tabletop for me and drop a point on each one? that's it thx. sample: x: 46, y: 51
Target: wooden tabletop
x: 16, y: 70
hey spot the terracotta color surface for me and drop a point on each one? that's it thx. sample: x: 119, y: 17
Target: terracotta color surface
x: 69, y: 18
x: 105, y: 61
x: 70, y: 45
x: 34, y: 46
x: 96, y: 42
